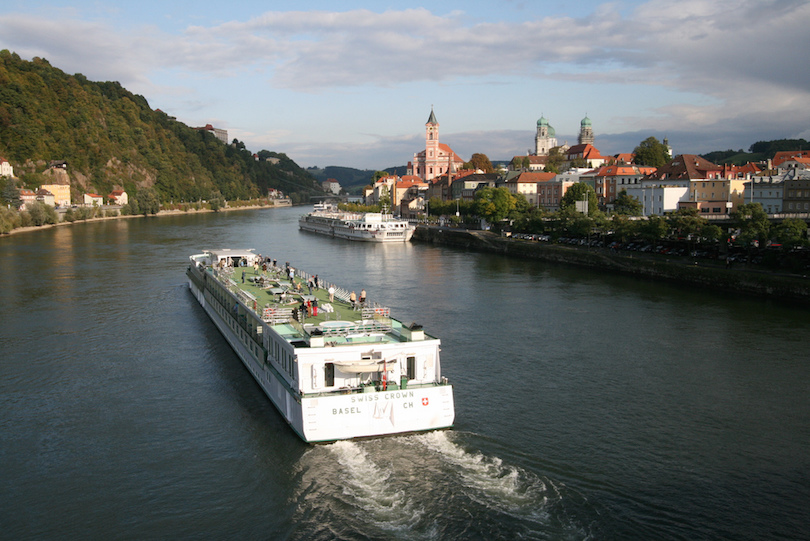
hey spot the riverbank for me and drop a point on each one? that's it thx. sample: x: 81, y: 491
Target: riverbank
x: 793, y: 288
x: 160, y: 213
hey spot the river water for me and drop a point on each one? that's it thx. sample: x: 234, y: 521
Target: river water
x: 588, y: 406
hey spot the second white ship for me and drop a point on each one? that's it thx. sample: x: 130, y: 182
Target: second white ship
x: 368, y: 226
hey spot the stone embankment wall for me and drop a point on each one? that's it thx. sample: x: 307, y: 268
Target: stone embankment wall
x: 789, y: 287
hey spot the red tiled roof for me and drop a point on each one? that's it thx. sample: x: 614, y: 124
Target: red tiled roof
x: 785, y: 155
x: 534, y: 176
x: 686, y: 167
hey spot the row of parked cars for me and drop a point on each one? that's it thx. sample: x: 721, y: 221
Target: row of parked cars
x: 772, y: 256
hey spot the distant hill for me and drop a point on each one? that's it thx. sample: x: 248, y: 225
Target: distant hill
x: 110, y: 137
x: 758, y: 152
x: 352, y: 180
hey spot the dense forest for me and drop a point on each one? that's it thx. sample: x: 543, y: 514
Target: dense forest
x: 111, y: 138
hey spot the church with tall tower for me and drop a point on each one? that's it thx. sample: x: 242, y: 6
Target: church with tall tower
x: 585, y: 132
x: 546, y: 138
x: 437, y: 159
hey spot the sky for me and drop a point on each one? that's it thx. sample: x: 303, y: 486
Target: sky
x: 352, y: 83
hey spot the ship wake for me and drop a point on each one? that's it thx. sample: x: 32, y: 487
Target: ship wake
x: 421, y: 487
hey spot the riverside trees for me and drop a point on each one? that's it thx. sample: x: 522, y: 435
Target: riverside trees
x: 684, y: 227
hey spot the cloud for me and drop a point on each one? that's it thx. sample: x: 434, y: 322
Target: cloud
x: 730, y: 67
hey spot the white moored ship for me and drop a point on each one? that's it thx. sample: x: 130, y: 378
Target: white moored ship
x: 333, y: 370
x: 368, y: 226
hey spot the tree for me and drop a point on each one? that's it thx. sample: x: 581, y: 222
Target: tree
x: 555, y: 160
x: 754, y: 224
x: 580, y: 192
x: 623, y: 227
x: 711, y: 232
x: 480, y: 161
x: 686, y: 222
x: 651, y: 152
x: 147, y: 201
x: 10, y: 194
x: 627, y: 205
x: 791, y: 232
x: 654, y: 228
x: 494, y: 204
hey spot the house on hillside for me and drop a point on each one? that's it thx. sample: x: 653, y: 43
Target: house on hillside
x: 91, y: 199
x: 6, y: 170
x: 44, y: 196
x: 27, y: 198
x: 118, y: 197
x: 61, y: 193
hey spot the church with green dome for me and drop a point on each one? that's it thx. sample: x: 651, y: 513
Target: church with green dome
x: 585, y: 132
x: 546, y: 137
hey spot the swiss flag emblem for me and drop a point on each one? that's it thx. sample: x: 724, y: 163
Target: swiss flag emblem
x: 425, y: 401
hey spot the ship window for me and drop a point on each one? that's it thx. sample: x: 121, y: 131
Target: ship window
x: 411, y: 368
x: 329, y: 374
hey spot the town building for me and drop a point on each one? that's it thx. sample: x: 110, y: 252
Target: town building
x: 610, y: 180
x: 796, y: 193
x: 587, y: 152
x: 464, y: 188
x: 437, y: 159
x: 331, y: 185
x: 27, y: 198
x: 527, y: 183
x: 680, y: 184
x: 551, y: 192
x: 788, y: 155
x: 61, y: 193
x: 44, y: 196
x: 528, y: 163
x: 767, y: 191
x: 410, y: 193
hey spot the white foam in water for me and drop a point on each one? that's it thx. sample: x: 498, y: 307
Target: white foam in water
x: 371, y: 489
x: 488, y: 481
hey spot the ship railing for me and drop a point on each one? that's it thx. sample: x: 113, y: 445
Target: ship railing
x: 365, y: 327
x: 274, y: 316
x: 372, y: 312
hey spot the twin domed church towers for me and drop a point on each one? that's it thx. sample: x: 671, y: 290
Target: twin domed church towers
x: 546, y: 137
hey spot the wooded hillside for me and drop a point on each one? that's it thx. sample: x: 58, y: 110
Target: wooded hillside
x: 110, y: 137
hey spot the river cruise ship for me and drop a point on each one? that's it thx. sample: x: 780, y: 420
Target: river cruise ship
x: 368, y: 226
x: 334, y: 369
